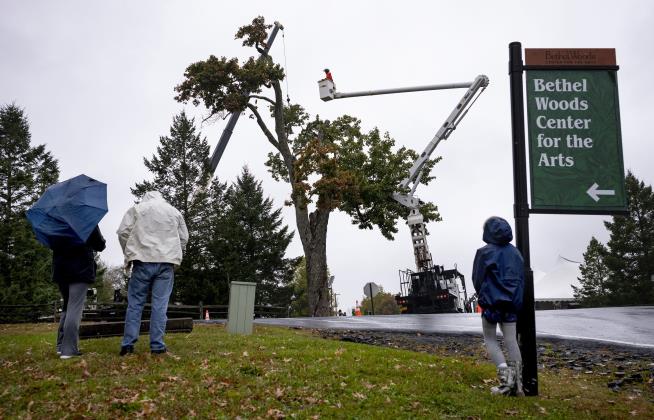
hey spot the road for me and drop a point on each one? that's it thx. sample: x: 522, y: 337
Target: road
x: 632, y: 326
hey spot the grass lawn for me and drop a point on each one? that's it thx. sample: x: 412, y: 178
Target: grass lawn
x: 278, y: 373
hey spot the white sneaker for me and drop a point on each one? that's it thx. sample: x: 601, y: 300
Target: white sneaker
x: 70, y: 356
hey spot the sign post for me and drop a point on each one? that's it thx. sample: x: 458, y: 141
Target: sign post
x: 371, y: 290
x: 527, y: 317
x: 575, y: 153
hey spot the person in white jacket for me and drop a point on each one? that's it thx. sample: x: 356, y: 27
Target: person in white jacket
x: 153, y: 236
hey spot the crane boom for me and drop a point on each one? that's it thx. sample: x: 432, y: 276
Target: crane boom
x: 229, y: 128
x: 415, y: 219
x: 233, y: 119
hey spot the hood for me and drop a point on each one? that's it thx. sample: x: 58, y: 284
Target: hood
x: 151, y: 195
x: 497, y: 231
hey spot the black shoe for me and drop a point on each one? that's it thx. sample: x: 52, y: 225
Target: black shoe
x: 160, y: 351
x: 126, y: 350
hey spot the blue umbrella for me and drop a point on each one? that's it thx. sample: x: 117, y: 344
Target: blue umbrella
x: 67, y: 212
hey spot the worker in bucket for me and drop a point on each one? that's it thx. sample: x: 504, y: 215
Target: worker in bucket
x: 498, y: 277
x: 328, y: 75
x: 153, y: 236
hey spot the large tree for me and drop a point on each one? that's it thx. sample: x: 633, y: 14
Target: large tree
x: 328, y: 165
x: 25, y: 172
x: 630, y: 257
x: 249, y: 240
x: 594, y: 277
x: 180, y: 169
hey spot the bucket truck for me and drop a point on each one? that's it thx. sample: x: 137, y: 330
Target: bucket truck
x: 431, y: 288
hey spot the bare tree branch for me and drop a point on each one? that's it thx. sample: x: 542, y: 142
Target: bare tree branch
x: 264, y: 99
x: 263, y: 126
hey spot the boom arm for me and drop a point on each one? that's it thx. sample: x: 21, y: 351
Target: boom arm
x: 415, y: 219
x: 460, y: 110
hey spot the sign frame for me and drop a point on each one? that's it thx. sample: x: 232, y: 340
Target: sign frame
x: 571, y: 59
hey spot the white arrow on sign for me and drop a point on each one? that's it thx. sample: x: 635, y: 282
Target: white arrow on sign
x: 594, y: 193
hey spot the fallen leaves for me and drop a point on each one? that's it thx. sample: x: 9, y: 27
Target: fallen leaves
x: 541, y: 409
x: 85, y: 371
x: 358, y: 396
x: 367, y: 385
x: 279, y: 393
x: 275, y: 413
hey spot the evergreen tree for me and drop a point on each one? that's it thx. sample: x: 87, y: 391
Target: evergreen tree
x: 630, y: 258
x: 25, y: 173
x: 250, y: 240
x: 180, y: 167
x: 594, y: 277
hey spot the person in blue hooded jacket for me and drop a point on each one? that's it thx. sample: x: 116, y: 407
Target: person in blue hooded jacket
x: 498, y: 277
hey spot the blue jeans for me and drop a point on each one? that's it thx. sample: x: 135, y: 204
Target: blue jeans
x: 159, y: 277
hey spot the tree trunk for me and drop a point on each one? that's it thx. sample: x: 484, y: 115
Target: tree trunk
x: 312, y: 229
x: 316, y: 259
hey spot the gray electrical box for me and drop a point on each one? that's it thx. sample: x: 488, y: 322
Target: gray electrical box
x: 241, y: 307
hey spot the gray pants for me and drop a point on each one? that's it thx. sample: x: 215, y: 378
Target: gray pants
x: 493, y: 346
x: 68, y: 335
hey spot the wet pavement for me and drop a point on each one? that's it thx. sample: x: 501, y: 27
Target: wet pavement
x: 625, y: 326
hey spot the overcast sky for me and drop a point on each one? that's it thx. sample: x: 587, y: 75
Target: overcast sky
x: 96, y: 81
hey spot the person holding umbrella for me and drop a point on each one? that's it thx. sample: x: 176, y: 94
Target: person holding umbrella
x: 65, y: 219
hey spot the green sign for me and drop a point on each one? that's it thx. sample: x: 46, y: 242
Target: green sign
x: 575, y: 147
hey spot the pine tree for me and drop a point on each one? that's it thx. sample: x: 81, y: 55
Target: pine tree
x: 25, y: 172
x: 630, y: 258
x: 594, y: 277
x: 250, y: 241
x: 180, y: 167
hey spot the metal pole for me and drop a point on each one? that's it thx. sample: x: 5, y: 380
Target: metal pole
x: 229, y: 128
x: 527, y: 317
x: 372, y: 303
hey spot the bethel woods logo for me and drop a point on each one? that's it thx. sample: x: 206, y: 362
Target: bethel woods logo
x: 570, y: 56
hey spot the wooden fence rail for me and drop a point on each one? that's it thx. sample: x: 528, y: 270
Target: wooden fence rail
x: 50, y: 312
